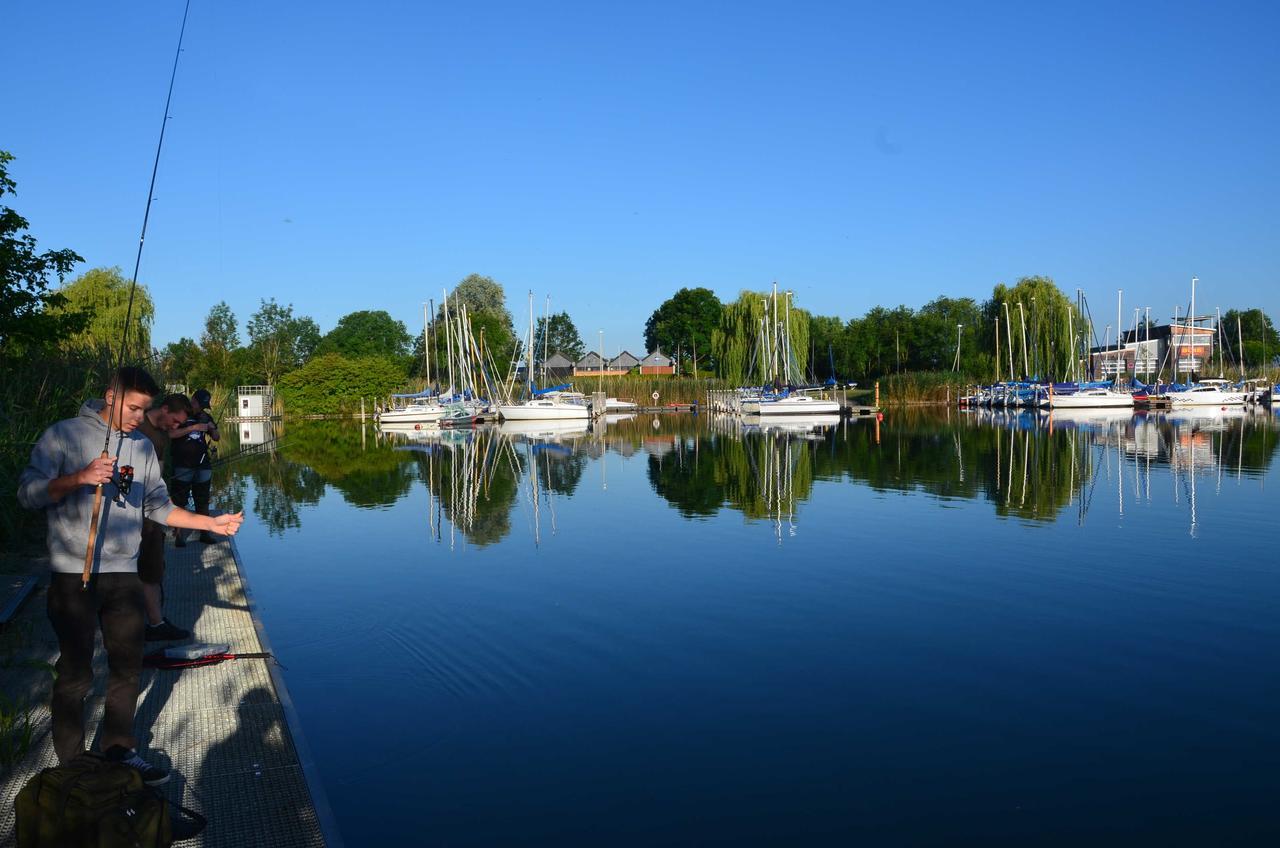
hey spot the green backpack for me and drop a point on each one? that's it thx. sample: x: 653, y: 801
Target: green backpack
x: 91, y: 802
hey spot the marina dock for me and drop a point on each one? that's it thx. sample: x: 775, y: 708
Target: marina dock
x: 227, y: 732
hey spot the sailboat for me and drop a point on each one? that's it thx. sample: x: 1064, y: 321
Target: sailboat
x: 779, y: 395
x: 557, y: 402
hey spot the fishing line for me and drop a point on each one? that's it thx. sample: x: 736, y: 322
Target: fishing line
x: 146, y: 217
x: 119, y: 390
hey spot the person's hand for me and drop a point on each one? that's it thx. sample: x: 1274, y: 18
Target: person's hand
x: 228, y: 523
x: 203, y: 428
x: 97, y: 472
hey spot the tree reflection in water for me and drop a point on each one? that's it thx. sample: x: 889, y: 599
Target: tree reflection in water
x: 1029, y: 466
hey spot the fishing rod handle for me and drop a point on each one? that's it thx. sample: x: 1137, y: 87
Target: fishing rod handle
x: 93, y: 533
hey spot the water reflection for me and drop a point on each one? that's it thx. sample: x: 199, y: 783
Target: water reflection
x: 1028, y: 466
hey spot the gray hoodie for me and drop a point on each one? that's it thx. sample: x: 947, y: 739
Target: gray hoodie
x: 69, y: 446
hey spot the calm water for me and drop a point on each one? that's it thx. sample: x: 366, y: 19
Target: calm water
x: 938, y: 629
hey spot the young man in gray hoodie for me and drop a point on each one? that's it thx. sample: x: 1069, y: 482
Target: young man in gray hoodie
x: 66, y: 467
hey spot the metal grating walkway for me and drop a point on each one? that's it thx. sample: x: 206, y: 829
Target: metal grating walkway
x: 223, y: 730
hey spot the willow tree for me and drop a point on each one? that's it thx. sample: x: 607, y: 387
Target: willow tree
x: 102, y: 294
x: 736, y: 344
x: 1047, y: 346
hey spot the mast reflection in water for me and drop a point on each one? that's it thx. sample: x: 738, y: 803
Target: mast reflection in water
x: 943, y: 627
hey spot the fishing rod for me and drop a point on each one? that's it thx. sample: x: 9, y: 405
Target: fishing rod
x: 119, y: 390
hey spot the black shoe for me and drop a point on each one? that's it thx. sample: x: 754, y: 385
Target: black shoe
x: 207, y: 538
x: 166, y: 631
x: 179, y: 541
x: 151, y: 775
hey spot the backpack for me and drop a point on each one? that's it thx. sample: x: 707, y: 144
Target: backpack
x: 92, y: 802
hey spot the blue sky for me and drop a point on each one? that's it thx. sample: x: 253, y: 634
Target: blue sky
x: 364, y: 156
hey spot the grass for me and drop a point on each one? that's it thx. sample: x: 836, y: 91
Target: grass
x: 16, y: 730
x: 922, y: 387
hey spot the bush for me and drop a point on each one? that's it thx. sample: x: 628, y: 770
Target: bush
x: 333, y: 384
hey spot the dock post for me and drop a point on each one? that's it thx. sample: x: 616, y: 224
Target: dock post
x: 877, y: 394
x: 362, y: 407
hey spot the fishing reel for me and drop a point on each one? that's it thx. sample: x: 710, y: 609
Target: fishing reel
x: 124, y: 482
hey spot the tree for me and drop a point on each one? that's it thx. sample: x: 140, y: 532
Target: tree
x: 27, y: 324
x: 738, y: 349
x: 103, y: 294
x: 219, y: 343
x: 1053, y: 328
x: 333, y: 383
x: 279, y: 341
x: 560, y: 335
x: 685, y: 321
x: 220, y: 328
x: 1261, y: 341
x: 181, y: 358
x: 479, y: 294
x: 367, y: 333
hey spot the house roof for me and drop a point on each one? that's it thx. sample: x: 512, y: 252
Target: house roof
x: 624, y: 358
x: 559, y: 360
x: 591, y: 360
x: 657, y: 357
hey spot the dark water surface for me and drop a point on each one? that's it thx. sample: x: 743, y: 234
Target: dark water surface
x: 944, y: 628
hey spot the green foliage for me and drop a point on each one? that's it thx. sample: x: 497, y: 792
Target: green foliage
x: 1261, y: 341
x: 737, y: 345
x: 332, y: 384
x: 33, y: 395
x: 1054, y: 328
x: 367, y: 333
x: 562, y: 337
x: 102, y: 294
x: 922, y: 387
x: 16, y: 730
x: 479, y: 294
x: 32, y: 318
x: 685, y: 322
x: 280, y: 342
x: 220, y: 328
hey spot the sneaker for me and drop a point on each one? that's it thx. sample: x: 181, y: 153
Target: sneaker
x: 207, y: 538
x: 166, y: 631
x: 151, y: 775
x: 178, y: 540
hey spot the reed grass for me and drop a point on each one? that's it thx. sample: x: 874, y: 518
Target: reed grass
x: 922, y: 387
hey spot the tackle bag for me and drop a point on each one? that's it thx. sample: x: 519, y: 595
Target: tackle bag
x: 92, y: 802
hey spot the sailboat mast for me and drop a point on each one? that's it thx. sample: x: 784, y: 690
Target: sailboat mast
x: 1008, y: 337
x: 997, y: 348
x: 1192, y: 319
x: 1022, y: 316
x: 448, y: 340
x: 426, y: 346
x: 1240, y: 344
x: 1119, y: 330
x: 529, y: 346
x: 1222, y: 367
x: 546, y: 336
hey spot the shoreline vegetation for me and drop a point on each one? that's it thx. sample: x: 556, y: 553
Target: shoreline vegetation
x: 59, y: 339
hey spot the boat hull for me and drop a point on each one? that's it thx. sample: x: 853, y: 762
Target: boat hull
x: 1109, y: 400
x: 543, y: 412
x: 795, y: 405
x: 417, y: 414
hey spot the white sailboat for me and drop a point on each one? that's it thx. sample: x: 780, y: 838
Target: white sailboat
x: 559, y: 403
x: 1089, y: 399
x: 424, y: 412
x: 1209, y: 393
x: 794, y: 403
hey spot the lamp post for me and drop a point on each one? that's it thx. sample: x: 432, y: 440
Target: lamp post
x: 602, y: 360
